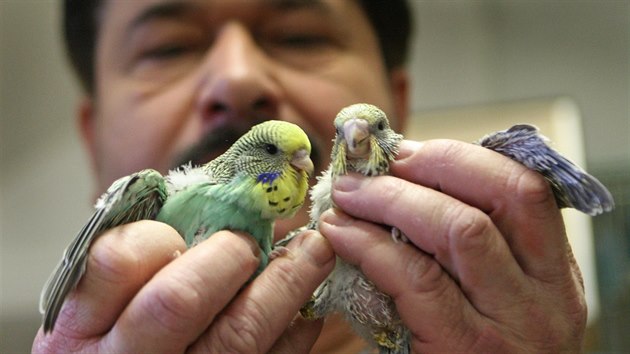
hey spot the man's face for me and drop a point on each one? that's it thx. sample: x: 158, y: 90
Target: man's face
x: 171, y: 73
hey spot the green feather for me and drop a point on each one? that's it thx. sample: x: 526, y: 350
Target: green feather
x: 203, y: 209
x: 262, y: 177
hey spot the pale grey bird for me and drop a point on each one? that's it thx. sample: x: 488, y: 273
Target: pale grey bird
x: 366, y: 144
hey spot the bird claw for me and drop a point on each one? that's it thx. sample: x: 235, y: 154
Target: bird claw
x: 399, y: 236
x: 383, y: 340
x: 279, y: 251
x: 308, y: 310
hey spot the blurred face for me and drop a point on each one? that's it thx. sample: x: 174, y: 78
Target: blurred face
x: 174, y: 77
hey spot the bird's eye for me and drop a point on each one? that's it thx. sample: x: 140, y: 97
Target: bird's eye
x: 381, y: 125
x: 271, y: 149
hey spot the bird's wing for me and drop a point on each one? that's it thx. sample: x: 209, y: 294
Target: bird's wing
x: 131, y: 198
x: 572, y: 186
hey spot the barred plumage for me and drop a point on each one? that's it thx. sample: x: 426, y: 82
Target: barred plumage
x: 261, y: 177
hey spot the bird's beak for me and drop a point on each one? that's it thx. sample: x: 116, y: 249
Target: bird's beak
x: 356, y: 131
x: 302, y: 161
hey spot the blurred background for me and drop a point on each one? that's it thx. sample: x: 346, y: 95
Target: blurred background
x: 564, y: 65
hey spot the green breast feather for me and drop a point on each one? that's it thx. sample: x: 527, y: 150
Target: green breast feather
x: 261, y: 177
x: 201, y: 210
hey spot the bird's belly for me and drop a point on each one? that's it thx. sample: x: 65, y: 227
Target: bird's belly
x: 360, y: 300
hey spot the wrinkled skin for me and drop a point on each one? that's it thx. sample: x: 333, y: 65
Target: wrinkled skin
x: 488, y: 267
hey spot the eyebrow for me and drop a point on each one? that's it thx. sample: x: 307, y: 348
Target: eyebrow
x: 182, y: 9
x: 164, y: 10
x: 298, y: 4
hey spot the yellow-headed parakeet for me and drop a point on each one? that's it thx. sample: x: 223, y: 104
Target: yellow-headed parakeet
x: 261, y: 177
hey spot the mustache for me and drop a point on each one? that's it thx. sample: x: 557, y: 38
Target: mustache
x: 211, y: 145
x: 222, y: 138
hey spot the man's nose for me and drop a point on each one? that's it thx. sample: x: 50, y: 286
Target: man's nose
x: 236, y: 82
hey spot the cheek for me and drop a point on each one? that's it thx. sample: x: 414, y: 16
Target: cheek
x: 319, y: 96
x: 141, y: 131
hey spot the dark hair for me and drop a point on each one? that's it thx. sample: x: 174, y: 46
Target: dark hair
x: 390, y: 19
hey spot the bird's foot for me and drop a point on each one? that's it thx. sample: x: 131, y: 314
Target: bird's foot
x: 279, y: 251
x: 383, y: 339
x: 398, y: 236
x: 308, y: 310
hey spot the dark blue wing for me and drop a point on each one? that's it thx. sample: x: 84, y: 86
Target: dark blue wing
x: 571, y: 185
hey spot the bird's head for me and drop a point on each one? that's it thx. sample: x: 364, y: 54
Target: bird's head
x: 364, y: 140
x: 274, y: 156
x: 277, y: 145
x: 266, y: 149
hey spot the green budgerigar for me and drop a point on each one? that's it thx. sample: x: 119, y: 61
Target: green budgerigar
x: 261, y: 177
x: 365, y: 144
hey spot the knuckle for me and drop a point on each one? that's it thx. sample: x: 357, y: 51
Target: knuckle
x: 174, y: 305
x: 424, y: 275
x: 286, y: 275
x: 389, y: 192
x: 450, y: 150
x: 390, y: 188
x: 468, y: 229
x: 530, y: 187
x: 238, y: 331
x: 110, y: 259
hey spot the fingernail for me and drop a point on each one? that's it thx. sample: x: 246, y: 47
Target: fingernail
x: 408, y: 147
x: 411, y: 144
x: 250, y: 241
x: 335, y: 217
x: 347, y: 183
x: 318, y: 248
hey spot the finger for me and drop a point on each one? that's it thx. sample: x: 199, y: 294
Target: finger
x: 119, y: 263
x: 420, y: 285
x: 263, y: 310
x: 519, y: 201
x: 461, y: 238
x: 299, y: 337
x: 183, y: 298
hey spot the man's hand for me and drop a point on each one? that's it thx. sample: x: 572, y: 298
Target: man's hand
x: 488, y: 266
x: 144, y: 292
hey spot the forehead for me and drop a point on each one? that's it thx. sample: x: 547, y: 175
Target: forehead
x: 136, y: 11
x: 285, y: 134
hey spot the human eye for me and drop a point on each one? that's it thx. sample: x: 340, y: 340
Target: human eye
x: 165, y: 51
x: 302, y: 41
x: 303, y: 47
